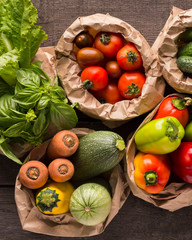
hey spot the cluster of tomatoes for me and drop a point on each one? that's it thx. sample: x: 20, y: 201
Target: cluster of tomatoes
x: 112, y: 69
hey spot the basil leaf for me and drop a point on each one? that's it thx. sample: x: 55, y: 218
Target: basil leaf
x: 27, y: 98
x: 45, y: 80
x: 41, y: 123
x: 43, y: 102
x: 6, y: 122
x: 6, y: 150
x: 28, y: 78
x: 5, y: 88
x: 18, y: 87
x: 58, y: 93
x: 7, y: 103
x: 63, y: 115
x: 30, y: 138
x: 16, y: 129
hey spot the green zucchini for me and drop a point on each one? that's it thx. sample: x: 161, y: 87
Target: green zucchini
x: 184, y: 63
x: 185, y: 50
x: 90, y: 204
x: 97, y: 153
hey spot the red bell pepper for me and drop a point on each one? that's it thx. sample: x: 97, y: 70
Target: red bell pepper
x: 182, y: 161
x: 175, y: 107
x: 152, y: 172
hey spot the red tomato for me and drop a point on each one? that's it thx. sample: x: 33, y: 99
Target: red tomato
x: 113, y: 69
x: 84, y: 39
x: 110, y: 94
x: 129, y: 58
x: 94, y: 78
x: 174, y: 107
x: 130, y: 84
x: 109, y: 43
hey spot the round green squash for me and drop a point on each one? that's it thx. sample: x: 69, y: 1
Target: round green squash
x: 90, y: 204
x: 97, y: 153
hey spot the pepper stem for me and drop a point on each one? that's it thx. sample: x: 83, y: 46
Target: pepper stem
x: 87, y: 84
x: 179, y: 103
x: 172, y: 130
x: 150, y: 177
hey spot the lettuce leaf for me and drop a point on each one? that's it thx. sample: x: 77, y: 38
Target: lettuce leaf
x: 19, y: 32
x: 9, y: 62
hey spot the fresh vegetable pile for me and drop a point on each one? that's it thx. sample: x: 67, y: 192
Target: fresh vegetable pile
x: 70, y: 176
x: 112, y: 69
x: 28, y: 100
x: 164, y: 146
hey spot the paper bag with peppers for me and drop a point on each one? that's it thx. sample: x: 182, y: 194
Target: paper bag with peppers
x: 159, y: 158
x: 173, y: 48
x: 71, y: 62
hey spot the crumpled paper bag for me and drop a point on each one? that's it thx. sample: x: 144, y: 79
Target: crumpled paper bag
x: 69, y: 71
x: 166, y: 48
x: 174, y: 196
x: 64, y: 225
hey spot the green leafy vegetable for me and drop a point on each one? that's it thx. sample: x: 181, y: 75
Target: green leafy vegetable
x: 28, y: 100
x: 20, y: 37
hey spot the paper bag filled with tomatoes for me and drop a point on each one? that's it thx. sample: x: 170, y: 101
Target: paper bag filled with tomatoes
x: 108, y: 67
x: 158, y: 155
x: 173, y: 47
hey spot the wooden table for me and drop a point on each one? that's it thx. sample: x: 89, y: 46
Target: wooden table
x: 137, y: 219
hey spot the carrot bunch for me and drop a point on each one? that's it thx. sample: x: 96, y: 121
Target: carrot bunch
x: 34, y: 174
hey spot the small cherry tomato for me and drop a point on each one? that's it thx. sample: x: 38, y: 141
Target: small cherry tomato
x: 94, y: 78
x: 89, y: 57
x: 130, y: 84
x: 109, y: 43
x: 129, y: 58
x: 113, y: 69
x: 110, y: 94
x: 84, y: 39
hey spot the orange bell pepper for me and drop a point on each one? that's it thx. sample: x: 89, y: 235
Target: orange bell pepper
x: 152, y: 172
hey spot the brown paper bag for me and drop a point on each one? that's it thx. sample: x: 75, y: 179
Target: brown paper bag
x: 166, y: 49
x: 47, y: 56
x: 175, y: 195
x: 64, y: 225
x: 68, y: 71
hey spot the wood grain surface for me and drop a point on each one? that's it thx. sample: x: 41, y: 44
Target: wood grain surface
x: 137, y: 219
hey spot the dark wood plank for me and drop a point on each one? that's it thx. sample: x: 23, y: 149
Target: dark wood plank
x: 148, y: 16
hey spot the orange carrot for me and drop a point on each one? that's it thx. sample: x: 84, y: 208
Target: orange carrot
x: 33, y: 174
x: 63, y: 144
x: 61, y: 170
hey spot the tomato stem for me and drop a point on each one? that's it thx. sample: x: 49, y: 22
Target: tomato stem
x: 132, y: 89
x: 105, y: 38
x: 132, y: 56
x: 87, y: 84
